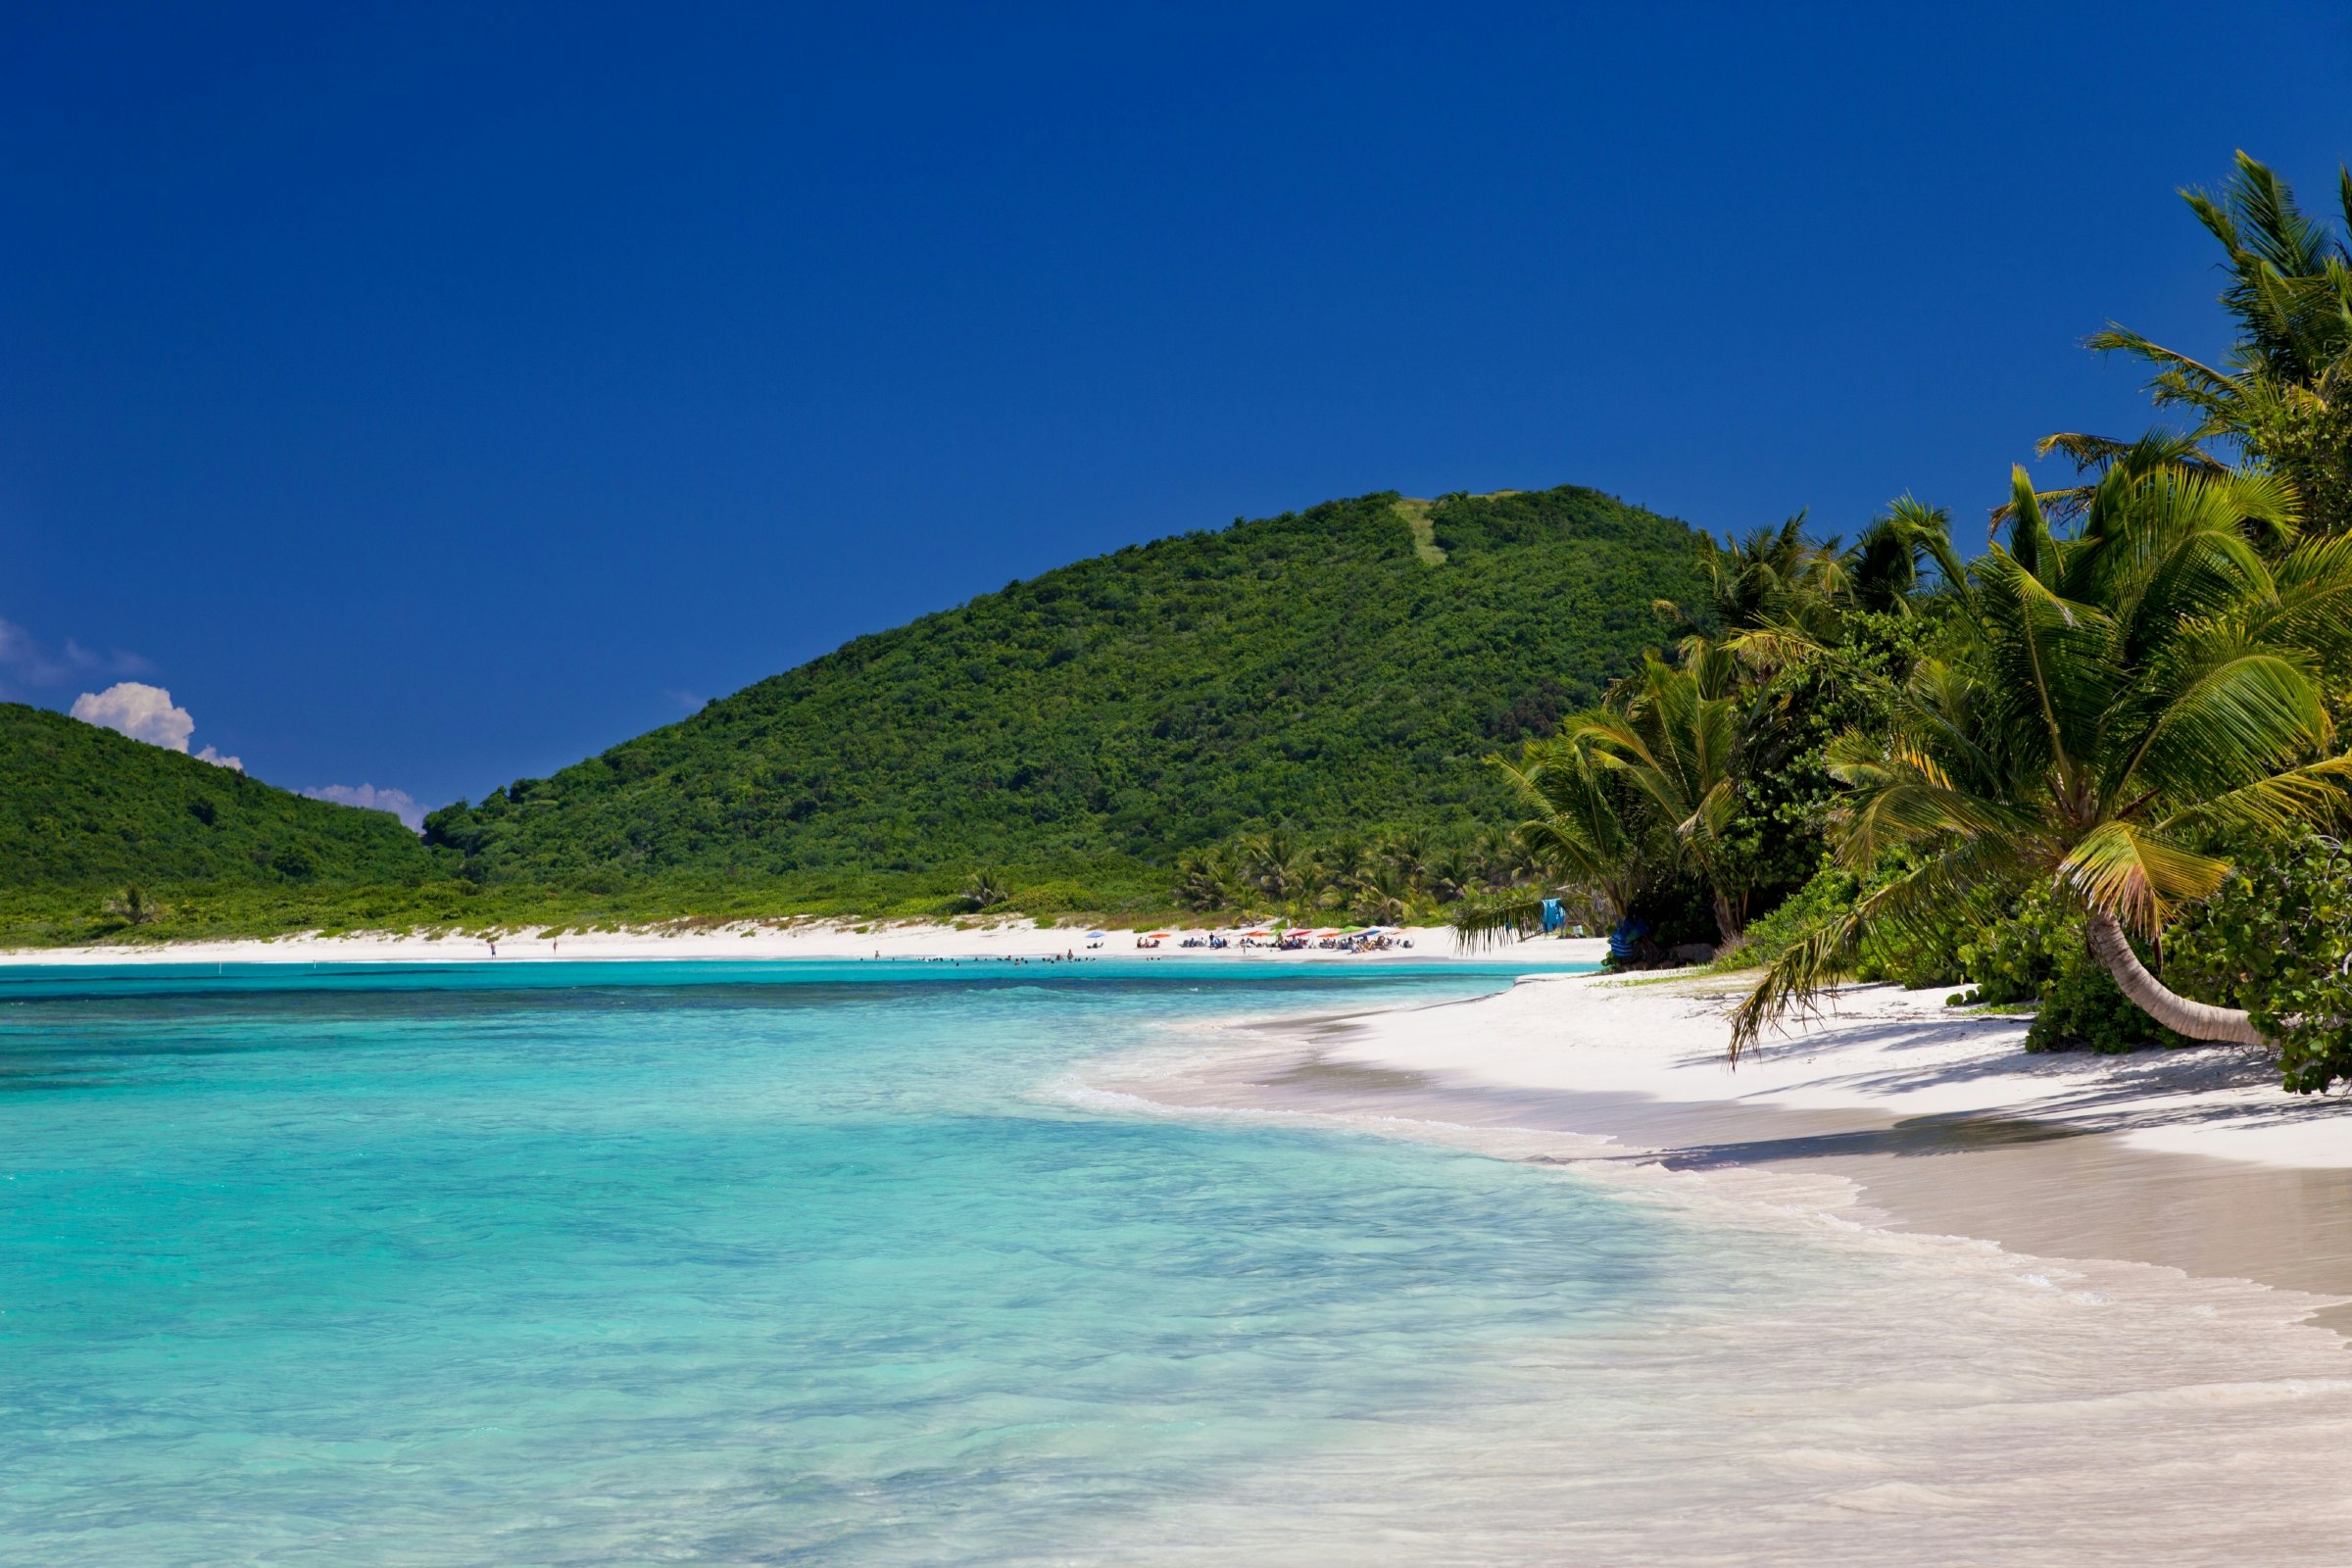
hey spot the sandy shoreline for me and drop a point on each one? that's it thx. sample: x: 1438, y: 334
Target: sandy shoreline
x: 829, y: 939
x: 2085, y: 1307
x: 1933, y: 1120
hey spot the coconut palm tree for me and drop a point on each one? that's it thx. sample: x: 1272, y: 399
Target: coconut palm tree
x: 1382, y: 894
x: 2113, y: 704
x: 1630, y: 791
x: 1341, y: 859
x: 2285, y: 393
x: 1894, y: 556
x: 1771, y: 576
x: 1585, y: 832
x: 1204, y: 880
x: 1403, y: 851
x: 1672, y: 734
x: 1274, y: 864
x: 1449, y: 873
x: 984, y: 888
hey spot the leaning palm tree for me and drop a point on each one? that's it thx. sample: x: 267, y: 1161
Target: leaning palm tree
x: 2114, y: 704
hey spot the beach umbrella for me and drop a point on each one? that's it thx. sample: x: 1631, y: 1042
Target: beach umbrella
x: 1096, y: 936
x: 1157, y: 934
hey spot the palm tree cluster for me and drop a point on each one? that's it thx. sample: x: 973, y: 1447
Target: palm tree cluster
x: 2107, y: 713
x: 1382, y: 878
x: 2135, y: 684
x: 1673, y: 779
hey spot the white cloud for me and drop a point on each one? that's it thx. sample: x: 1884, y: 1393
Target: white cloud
x: 367, y: 798
x: 145, y: 713
x: 141, y: 711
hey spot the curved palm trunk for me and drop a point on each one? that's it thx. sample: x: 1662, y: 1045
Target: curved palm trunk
x: 2198, y: 1020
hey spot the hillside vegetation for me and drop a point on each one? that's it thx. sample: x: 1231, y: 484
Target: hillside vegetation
x: 85, y: 808
x: 1344, y: 665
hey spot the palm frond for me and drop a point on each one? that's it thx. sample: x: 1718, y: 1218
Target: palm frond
x: 2138, y: 877
x: 1792, y: 985
x: 1489, y: 923
x: 2317, y: 795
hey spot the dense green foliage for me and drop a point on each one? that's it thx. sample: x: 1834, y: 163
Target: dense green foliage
x: 2102, y: 705
x: 1696, y: 790
x: 2282, y: 397
x: 85, y: 808
x: 2042, y: 768
x: 2276, y: 940
x: 1314, y: 668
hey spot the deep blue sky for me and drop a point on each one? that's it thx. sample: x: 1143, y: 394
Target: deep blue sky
x: 430, y: 396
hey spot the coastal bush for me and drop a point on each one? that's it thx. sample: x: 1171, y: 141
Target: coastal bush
x: 2084, y: 1009
x: 2276, y: 940
x: 1828, y: 894
x: 1063, y: 895
x: 2039, y: 952
x: 1923, y: 951
x: 2017, y: 956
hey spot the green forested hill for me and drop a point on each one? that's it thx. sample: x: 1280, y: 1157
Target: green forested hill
x: 83, y: 807
x: 1348, y: 663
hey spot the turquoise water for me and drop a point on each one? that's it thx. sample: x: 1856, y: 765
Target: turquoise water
x: 786, y: 1264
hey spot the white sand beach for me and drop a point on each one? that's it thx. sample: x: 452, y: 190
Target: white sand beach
x: 2097, y: 1305
x: 799, y: 938
x: 1875, y: 1048
x: 1927, y: 1117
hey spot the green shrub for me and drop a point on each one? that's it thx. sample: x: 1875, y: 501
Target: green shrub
x: 1829, y: 893
x: 2084, y: 1009
x: 1924, y: 953
x: 1051, y: 898
x: 2276, y: 940
x: 2014, y: 958
x: 2036, y: 950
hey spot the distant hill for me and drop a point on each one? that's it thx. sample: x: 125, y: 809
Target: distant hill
x: 1348, y: 663
x: 83, y: 807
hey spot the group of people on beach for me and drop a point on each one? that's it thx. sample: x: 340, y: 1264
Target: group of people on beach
x: 1375, y: 939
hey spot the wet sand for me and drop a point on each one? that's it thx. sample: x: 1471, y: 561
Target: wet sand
x: 2059, y: 1166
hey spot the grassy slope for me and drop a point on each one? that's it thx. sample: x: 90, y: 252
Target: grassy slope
x: 85, y: 808
x: 1315, y: 667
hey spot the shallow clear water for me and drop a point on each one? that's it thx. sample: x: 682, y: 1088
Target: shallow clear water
x: 832, y: 1263
x: 457, y: 1271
